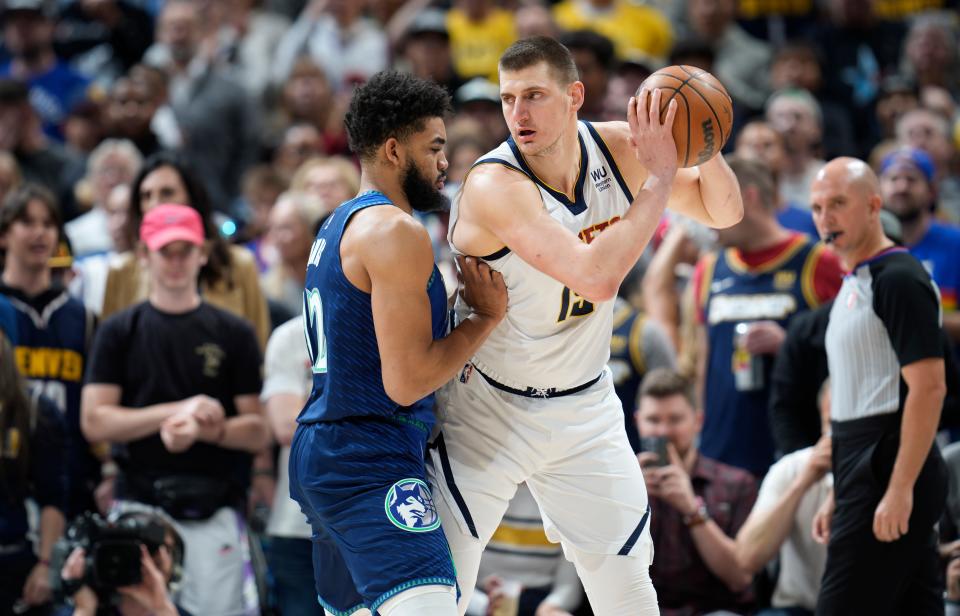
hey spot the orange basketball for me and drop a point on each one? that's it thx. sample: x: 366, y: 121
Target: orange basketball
x: 704, y: 111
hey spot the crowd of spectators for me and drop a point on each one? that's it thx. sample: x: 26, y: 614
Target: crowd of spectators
x: 164, y: 167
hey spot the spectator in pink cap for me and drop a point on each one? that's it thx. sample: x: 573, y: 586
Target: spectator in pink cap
x: 176, y: 381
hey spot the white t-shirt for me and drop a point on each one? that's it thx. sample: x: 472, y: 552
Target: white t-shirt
x: 802, y: 559
x: 286, y: 371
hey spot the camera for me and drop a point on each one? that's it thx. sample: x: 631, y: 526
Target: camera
x: 112, y: 551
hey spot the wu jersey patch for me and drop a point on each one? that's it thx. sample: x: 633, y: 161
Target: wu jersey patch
x: 410, y: 507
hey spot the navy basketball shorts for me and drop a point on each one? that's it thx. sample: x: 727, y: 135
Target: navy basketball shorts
x: 376, y: 532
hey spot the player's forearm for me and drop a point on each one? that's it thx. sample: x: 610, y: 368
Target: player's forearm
x: 719, y: 553
x: 720, y: 193
x: 120, y: 424
x: 764, y: 532
x: 610, y: 257
x: 419, y: 378
x: 246, y: 433
x: 918, y: 427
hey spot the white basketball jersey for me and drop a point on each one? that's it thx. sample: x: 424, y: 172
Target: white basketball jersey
x: 551, y: 337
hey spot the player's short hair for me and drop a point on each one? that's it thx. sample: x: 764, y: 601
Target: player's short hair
x: 665, y: 383
x: 392, y: 104
x: 758, y: 174
x: 536, y: 49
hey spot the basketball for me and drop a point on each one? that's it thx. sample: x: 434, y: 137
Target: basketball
x: 704, y: 111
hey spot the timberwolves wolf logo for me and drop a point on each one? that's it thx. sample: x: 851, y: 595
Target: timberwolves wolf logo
x: 410, y: 507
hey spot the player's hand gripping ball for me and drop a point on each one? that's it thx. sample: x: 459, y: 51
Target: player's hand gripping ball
x: 704, y: 111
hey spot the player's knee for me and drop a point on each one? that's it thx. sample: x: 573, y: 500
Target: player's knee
x: 432, y: 600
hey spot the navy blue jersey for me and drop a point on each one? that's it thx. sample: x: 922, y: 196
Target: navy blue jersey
x: 793, y: 277
x: 342, y: 342
x: 54, y: 331
x: 8, y: 320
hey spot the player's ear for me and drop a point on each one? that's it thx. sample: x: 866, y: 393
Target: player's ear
x: 575, y: 92
x: 391, y: 151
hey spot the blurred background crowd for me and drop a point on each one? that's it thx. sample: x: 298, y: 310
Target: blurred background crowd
x: 109, y: 108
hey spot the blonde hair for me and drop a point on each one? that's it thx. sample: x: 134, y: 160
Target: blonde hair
x: 347, y: 171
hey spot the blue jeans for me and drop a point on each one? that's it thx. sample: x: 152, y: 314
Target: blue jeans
x: 291, y: 563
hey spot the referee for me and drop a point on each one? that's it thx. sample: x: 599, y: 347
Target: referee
x: 885, y: 355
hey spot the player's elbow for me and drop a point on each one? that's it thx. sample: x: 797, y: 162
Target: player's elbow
x: 728, y: 216
x: 597, y: 288
x: 404, y: 393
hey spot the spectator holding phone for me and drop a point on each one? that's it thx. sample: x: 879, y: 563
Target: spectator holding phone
x: 697, y: 504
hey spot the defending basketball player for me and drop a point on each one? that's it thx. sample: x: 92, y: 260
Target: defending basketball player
x: 562, y: 210
x: 375, y: 316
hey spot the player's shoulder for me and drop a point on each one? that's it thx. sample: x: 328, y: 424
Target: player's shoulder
x: 388, y: 235
x: 496, y: 184
x: 615, y: 135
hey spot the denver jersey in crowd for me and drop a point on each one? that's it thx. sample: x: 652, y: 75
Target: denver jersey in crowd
x: 54, y: 332
x: 733, y: 287
x: 638, y: 345
x: 376, y: 531
x: 8, y: 320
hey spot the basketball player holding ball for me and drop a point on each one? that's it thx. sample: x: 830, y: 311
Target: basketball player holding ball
x: 563, y: 209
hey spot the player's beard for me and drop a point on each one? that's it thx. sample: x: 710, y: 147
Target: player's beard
x: 422, y: 194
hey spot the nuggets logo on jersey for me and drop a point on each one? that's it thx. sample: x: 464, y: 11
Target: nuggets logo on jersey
x: 409, y: 506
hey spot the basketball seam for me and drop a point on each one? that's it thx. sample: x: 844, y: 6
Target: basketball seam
x: 713, y: 111
x: 692, y: 76
x: 706, y: 83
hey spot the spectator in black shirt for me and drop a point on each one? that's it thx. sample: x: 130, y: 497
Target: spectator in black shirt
x: 177, y: 381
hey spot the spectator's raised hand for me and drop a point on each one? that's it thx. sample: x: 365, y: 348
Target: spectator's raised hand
x: 820, y: 460
x: 673, y: 484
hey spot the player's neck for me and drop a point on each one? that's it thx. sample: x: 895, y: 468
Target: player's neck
x: 387, y: 184
x: 558, y: 166
x: 30, y: 281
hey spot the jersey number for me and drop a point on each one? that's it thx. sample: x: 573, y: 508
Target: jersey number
x: 572, y: 305
x: 313, y: 331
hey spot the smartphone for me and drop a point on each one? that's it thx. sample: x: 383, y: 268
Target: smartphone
x: 657, y: 445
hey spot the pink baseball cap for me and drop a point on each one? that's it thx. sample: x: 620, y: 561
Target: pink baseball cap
x: 170, y: 223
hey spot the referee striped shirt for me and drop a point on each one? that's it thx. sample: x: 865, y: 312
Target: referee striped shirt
x: 886, y: 316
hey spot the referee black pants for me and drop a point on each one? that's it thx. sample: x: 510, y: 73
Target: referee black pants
x: 864, y: 575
